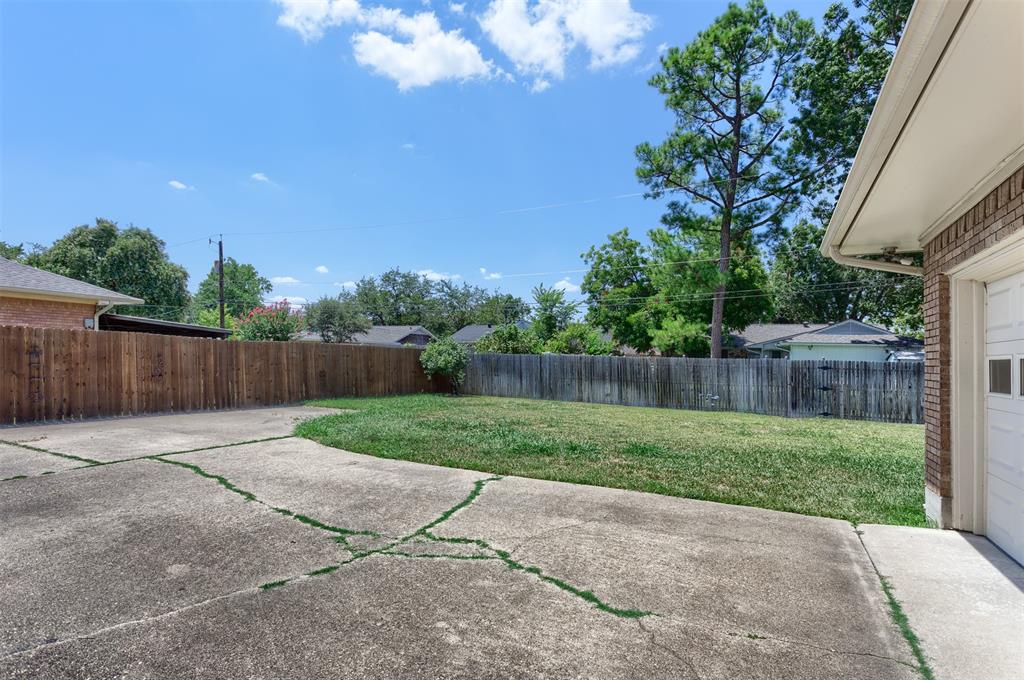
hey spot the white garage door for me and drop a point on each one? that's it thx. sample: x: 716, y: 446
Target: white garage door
x: 1004, y: 360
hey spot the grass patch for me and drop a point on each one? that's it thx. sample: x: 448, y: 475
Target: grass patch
x: 859, y: 471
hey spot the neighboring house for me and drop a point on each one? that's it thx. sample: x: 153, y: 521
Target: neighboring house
x: 761, y: 340
x: 468, y: 335
x: 396, y: 336
x: 139, y: 324
x: 940, y: 171
x: 853, y: 341
x: 33, y: 297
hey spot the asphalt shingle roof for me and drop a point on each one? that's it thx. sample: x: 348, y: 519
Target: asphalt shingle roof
x: 757, y: 333
x: 16, y: 277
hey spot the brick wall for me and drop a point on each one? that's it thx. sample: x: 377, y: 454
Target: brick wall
x: 996, y: 216
x: 43, y: 313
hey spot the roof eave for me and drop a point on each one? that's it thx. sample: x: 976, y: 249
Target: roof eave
x: 116, y: 299
x: 929, y: 29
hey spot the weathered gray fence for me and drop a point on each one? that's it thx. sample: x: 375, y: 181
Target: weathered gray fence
x: 860, y: 390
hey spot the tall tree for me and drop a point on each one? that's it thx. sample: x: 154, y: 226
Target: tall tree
x: 453, y: 306
x: 132, y: 261
x: 730, y: 150
x: 836, y: 87
x: 552, y: 312
x: 499, y: 309
x: 244, y: 289
x: 618, y: 288
x: 809, y: 287
x: 396, y: 298
x: 337, y: 319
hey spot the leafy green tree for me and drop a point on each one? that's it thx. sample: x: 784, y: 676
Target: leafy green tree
x: 244, y: 289
x: 810, y: 287
x: 337, y: 319
x: 836, y: 87
x: 510, y: 339
x: 211, y: 318
x: 730, y: 150
x: 272, y: 322
x: 681, y: 338
x: 618, y: 288
x: 685, y: 271
x: 132, y: 261
x: 498, y: 309
x: 396, y: 298
x: 552, y: 311
x: 17, y: 253
x: 579, y: 338
x: 453, y: 306
x: 448, y: 359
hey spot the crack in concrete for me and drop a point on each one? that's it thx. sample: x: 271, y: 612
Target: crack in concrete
x: 899, y: 617
x: 89, y: 462
x: 671, y: 652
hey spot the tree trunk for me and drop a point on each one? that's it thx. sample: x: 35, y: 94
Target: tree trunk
x: 718, y: 308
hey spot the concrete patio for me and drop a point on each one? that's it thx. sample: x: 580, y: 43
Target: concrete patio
x: 216, y: 545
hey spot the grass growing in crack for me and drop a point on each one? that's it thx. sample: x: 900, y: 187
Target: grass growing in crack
x: 69, y: 456
x: 478, y: 487
x: 223, y: 481
x: 899, y: 617
x: 852, y: 470
x: 274, y: 584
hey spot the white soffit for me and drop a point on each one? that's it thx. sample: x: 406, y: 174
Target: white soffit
x: 930, y: 154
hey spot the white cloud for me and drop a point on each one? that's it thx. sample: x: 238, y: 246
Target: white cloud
x: 457, y: 7
x: 423, y: 53
x: 489, y: 276
x: 566, y: 285
x: 431, y: 275
x: 662, y: 48
x: 322, y: 269
x: 349, y: 285
x: 284, y: 280
x: 310, y: 18
x: 408, y: 146
x: 180, y: 186
x: 537, y: 37
x: 428, y: 55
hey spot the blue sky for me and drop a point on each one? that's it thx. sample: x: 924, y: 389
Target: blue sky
x: 348, y: 135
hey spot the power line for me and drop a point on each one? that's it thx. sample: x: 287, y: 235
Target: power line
x: 412, y: 222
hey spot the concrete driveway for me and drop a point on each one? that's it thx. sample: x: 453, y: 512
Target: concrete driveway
x: 217, y: 546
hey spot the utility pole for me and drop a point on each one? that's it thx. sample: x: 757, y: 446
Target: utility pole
x: 220, y: 271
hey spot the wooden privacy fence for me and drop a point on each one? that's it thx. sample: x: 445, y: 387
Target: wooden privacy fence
x: 49, y: 374
x: 861, y: 390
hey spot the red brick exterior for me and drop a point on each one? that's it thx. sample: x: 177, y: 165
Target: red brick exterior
x: 44, y: 313
x: 994, y: 218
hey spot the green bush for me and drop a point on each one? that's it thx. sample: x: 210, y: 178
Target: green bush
x: 681, y: 338
x: 579, y: 338
x: 446, y: 358
x: 510, y: 339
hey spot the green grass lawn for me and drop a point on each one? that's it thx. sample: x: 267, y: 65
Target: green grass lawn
x: 852, y: 470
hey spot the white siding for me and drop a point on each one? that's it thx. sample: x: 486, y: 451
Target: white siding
x: 838, y: 352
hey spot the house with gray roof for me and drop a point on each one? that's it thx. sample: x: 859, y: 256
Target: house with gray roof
x: 853, y: 341
x: 468, y: 335
x: 762, y: 340
x: 34, y: 297
x: 390, y: 336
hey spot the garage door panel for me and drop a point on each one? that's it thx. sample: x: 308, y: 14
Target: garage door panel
x: 1006, y: 517
x: 1004, y: 412
x: 1006, y: 447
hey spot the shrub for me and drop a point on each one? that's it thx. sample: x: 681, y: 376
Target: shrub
x: 446, y: 358
x: 579, y: 338
x: 272, y: 322
x: 510, y: 339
